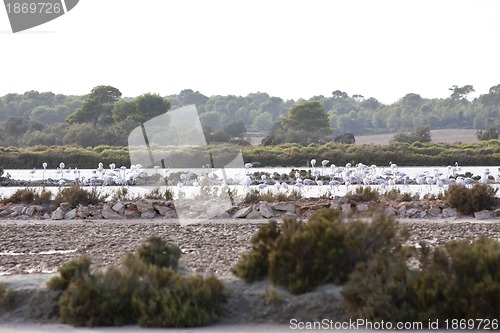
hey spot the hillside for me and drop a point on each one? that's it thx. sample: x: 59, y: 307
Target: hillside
x: 444, y: 135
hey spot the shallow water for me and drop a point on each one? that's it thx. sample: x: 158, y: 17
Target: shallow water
x: 236, y: 175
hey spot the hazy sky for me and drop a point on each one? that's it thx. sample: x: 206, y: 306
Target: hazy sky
x: 291, y: 49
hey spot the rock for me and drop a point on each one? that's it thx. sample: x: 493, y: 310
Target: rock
x: 243, y: 212
x: 58, y: 214
x: 162, y: 210
x: 412, y: 212
x: 119, y: 207
x: 65, y: 206
x: 70, y: 215
x: 362, y: 207
x: 146, y: 209
x: 423, y: 214
x: 5, y: 212
x: 254, y: 214
x: 131, y: 212
x: 496, y: 213
x: 108, y: 213
x: 449, y: 212
x: 435, y: 211
x: 30, y: 211
x: 265, y: 209
x: 483, y: 215
x: 83, y: 212
x: 38, y: 208
x: 46, y: 216
x: 284, y: 207
x: 390, y: 211
x: 16, y: 211
x: 346, y: 208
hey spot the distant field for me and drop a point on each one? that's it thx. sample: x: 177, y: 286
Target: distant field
x: 445, y: 135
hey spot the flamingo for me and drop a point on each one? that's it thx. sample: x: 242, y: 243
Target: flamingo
x: 324, y: 164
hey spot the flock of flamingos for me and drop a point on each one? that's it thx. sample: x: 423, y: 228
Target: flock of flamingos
x: 317, y: 179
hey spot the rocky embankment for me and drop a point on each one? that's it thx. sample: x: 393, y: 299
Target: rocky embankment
x: 197, y: 209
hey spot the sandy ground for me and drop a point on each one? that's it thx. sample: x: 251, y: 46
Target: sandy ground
x: 28, y: 248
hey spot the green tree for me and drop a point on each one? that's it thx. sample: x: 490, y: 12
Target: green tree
x: 307, y: 122
x: 491, y: 133
x: 460, y: 93
x: 15, y: 126
x: 96, y: 108
x: 235, y: 128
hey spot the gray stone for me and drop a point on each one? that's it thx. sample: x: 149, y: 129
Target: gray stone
x: 38, y: 208
x: 449, y: 212
x: 83, y: 212
x: 362, y: 207
x: 243, y: 212
x: 65, y: 206
x: 412, y: 212
x: 16, y: 210
x: 5, y: 212
x: 423, y: 214
x: 346, y: 208
x: 265, y: 209
x: 30, y: 210
x: 284, y: 207
x: 70, y: 215
x: 496, y: 213
x: 146, y: 209
x: 58, y: 214
x: 46, y: 216
x: 483, y: 215
x: 162, y: 210
x: 119, y: 207
x: 435, y: 211
x: 390, y: 211
x: 108, y: 213
x: 254, y: 214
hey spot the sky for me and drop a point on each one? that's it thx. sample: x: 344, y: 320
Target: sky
x: 291, y: 49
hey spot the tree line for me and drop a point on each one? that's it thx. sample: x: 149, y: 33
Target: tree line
x: 105, y: 117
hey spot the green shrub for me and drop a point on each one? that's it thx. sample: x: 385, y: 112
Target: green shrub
x: 157, y: 252
x: 300, y: 256
x: 6, y: 297
x: 363, y: 194
x: 460, y: 280
x: 76, y: 195
x: 470, y: 200
x: 74, y: 269
x: 396, y: 195
x: 254, y: 265
x: 145, y: 289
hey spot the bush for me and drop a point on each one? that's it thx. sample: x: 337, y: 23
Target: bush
x: 158, y: 253
x: 300, y: 256
x: 28, y: 196
x: 254, y: 265
x: 467, y: 201
x: 76, y: 195
x: 363, y: 194
x: 157, y: 194
x: 460, y: 280
x: 145, y: 289
x: 255, y: 196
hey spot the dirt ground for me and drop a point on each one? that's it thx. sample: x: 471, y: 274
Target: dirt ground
x: 32, y: 251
